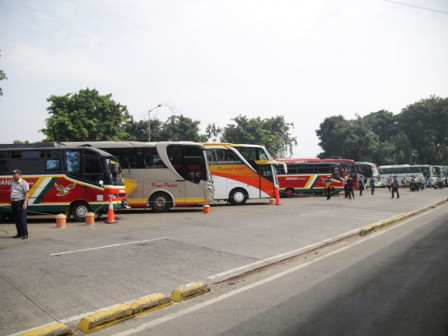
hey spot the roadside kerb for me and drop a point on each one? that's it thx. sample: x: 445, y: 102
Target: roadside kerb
x: 381, y: 224
x: 189, y: 291
x: 53, y: 329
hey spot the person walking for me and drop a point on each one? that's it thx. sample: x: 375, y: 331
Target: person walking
x: 361, y: 186
x: 328, y: 185
x: 372, y: 186
x: 19, y: 203
x: 395, y: 186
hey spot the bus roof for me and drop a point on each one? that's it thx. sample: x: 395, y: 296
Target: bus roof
x: 125, y: 144
x: 97, y: 150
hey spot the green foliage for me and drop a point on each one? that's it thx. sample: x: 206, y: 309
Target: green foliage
x: 85, y: 116
x: 416, y: 135
x: 180, y: 128
x: 273, y: 133
x: 176, y: 128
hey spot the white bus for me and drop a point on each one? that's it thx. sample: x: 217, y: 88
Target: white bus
x: 369, y: 170
x: 241, y: 172
x: 405, y: 172
x: 161, y: 175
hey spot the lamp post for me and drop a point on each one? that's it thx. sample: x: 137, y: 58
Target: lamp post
x: 149, y: 121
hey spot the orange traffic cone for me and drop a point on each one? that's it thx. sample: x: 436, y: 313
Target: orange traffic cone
x: 110, y: 213
x: 277, y: 196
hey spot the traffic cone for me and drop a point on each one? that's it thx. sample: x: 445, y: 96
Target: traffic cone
x: 110, y: 213
x: 277, y: 196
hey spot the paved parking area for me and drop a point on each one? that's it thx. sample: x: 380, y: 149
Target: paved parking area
x: 60, y: 274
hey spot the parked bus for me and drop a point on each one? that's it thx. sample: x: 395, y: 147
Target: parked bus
x: 309, y: 178
x: 241, y: 172
x: 71, y: 180
x: 161, y: 175
x: 348, y: 166
x: 369, y: 170
x: 405, y: 172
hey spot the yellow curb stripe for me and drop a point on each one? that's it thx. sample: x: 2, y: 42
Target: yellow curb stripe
x: 379, y: 225
x: 189, y: 291
x: 150, y: 303
x: 54, y: 329
x: 105, y: 318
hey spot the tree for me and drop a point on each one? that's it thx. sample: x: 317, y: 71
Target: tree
x: 180, y: 128
x: 425, y: 123
x: 273, y: 133
x: 85, y: 116
x: 2, y: 77
x: 333, y: 133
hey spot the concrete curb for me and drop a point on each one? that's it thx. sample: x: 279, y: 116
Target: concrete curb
x: 106, y: 317
x: 121, y: 312
x: 189, y: 291
x: 379, y: 225
x: 54, y: 329
x: 150, y: 303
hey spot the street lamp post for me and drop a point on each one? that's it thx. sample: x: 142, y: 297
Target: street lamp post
x: 149, y: 121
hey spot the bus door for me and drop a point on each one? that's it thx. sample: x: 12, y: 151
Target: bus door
x: 189, y: 163
x: 267, y: 180
x: 195, y: 175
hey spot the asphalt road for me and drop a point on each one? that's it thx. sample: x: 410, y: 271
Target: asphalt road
x: 64, y: 274
x: 390, y: 283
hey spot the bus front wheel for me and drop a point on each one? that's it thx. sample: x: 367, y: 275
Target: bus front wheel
x: 160, y: 202
x: 79, y: 211
x: 238, y: 196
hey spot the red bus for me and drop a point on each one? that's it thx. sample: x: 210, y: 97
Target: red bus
x: 62, y: 179
x: 309, y: 178
x: 348, y: 166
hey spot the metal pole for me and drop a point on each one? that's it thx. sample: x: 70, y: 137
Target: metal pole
x: 149, y: 121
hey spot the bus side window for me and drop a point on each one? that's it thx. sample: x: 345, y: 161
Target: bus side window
x: 53, y: 165
x: 92, y: 170
x: 73, y: 161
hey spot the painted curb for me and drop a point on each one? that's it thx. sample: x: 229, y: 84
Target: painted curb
x: 189, y: 291
x: 379, y: 225
x: 150, y: 303
x: 54, y: 329
x: 105, y: 318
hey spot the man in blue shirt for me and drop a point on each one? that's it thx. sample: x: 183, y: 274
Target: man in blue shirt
x: 19, y: 203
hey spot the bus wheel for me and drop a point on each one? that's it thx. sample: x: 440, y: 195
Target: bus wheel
x: 79, y: 210
x: 238, y: 196
x: 289, y: 192
x: 160, y: 202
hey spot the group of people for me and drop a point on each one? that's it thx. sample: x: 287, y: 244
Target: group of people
x: 349, y: 186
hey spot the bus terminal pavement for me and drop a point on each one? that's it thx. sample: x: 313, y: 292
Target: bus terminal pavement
x: 63, y: 274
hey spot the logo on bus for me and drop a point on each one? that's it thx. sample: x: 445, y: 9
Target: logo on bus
x: 164, y: 185
x: 64, y: 190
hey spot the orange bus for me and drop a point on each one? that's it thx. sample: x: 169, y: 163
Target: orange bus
x: 241, y: 172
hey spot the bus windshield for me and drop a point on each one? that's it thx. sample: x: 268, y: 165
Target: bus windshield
x: 113, y: 174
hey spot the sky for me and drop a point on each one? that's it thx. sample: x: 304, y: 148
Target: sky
x: 214, y: 60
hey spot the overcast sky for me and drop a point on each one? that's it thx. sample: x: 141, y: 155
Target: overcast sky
x: 214, y: 60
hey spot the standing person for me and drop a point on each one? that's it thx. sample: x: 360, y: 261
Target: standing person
x: 350, y: 187
x: 372, y: 186
x: 346, y: 186
x: 19, y: 202
x: 361, y: 185
x: 328, y: 184
x: 395, y: 186
x: 389, y: 182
